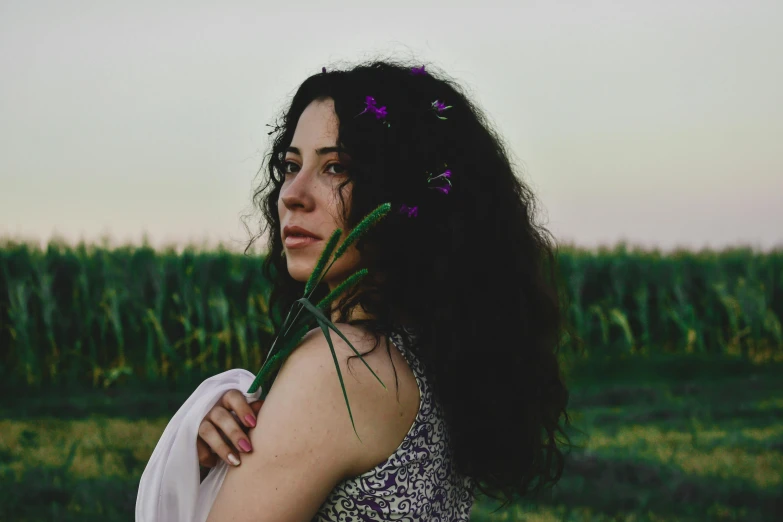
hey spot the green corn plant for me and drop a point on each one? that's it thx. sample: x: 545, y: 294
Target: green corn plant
x: 284, y: 344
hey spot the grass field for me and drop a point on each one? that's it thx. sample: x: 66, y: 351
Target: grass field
x: 676, y: 438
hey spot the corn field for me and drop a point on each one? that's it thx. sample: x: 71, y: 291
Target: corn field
x: 101, y: 317
x: 91, y: 315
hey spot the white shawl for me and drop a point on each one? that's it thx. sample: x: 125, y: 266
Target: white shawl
x: 169, y: 490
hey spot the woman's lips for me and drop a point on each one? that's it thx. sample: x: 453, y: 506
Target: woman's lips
x: 299, y: 241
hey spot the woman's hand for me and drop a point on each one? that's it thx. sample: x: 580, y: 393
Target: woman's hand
x: 223, y: 432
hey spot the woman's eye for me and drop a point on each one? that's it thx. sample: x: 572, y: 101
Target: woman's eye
x: 286, y: 164
x: 338, y: 171
x: 341, y: 169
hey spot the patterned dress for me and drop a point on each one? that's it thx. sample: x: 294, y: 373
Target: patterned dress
x: 416, y: 483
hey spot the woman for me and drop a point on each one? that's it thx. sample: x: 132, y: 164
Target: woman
x: 461, y: 283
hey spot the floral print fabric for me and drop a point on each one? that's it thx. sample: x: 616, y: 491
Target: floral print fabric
x: 417, y: 482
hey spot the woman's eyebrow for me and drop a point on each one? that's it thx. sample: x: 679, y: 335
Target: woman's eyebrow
x: 322, y: 151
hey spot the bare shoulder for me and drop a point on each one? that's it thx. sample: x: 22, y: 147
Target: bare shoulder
x: 304, y: 443
x: 382, y: 416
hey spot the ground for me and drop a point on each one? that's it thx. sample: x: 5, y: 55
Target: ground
x: 657, y: 440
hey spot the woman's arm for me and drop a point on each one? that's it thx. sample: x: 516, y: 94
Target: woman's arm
x: 305, y: 444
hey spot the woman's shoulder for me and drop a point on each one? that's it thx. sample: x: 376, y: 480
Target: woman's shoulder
x: 382, y: 413
x: 315, y: 347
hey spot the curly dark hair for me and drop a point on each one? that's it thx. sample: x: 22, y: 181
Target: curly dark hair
x: 471, y: 274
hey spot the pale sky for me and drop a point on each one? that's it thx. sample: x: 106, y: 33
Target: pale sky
x: 660, y: 123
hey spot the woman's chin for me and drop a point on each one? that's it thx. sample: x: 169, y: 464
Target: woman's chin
x: 300, y: 273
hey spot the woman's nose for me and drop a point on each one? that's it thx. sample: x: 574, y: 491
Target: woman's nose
x: 298, y: 192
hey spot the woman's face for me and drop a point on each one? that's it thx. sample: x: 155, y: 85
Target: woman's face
x: 309, y: 198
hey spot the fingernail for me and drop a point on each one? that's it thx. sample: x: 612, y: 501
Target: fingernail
x: 250, y: 420
x: 233, y: 460
x: 245, y: 445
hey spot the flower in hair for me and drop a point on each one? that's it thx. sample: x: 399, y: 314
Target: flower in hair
x: 439, y: 107
x: 380, y: 113
x: 445, y: 189
x: 445, y: 176
x: 411, y: 211
x: 372, y: 106
x: 418, y: 71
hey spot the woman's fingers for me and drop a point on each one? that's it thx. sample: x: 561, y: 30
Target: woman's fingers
x: 212, y: 438
x: 255, y: 406
x: 234, y: 400
x: 225, y: 425
x: 206, y: 457
x: 231, y: 429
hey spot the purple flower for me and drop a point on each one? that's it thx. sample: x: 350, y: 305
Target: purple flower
x: 446, y: 174
x: 439, y: 107
x: 323, y: 69
x: 418, y: 71
x: 412, y: 211
x: 371, y: 105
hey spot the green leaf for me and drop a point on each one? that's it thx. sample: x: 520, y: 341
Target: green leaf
x: 339, y: 373
x: 271, y: 363
x: 319, y: 266
x: 321, y: 317
x: 350, y: 281
x: 272, y: 351
x: 286, y: 344
x: 269, y: 368
x: 360, y: 229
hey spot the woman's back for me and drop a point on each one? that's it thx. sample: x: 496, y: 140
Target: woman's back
x: 417, y: 482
